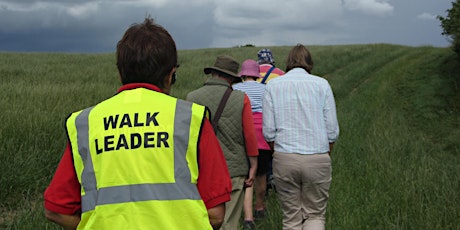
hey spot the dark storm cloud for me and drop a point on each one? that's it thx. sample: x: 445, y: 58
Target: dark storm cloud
x: 96, y: 26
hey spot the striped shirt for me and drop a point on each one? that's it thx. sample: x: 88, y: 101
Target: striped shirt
x: 299, y: 113
x: 255, y: 92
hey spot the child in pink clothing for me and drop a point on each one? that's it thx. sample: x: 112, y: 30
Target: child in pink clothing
x: 255, y: 91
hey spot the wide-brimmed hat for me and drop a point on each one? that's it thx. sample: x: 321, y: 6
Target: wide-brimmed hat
x: 265, y: 56
x: 224, y: 64
x: 250, y: 68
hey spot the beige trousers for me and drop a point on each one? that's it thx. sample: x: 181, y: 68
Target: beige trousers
x: 302, y: 183
x: 234, y: 207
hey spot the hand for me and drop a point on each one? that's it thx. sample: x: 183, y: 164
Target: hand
x: 330, y: 147
x: 252, y: 172
x: 65, y: 221
x: 216, y: 215
x: 248, y: 182
x: 272, y: 145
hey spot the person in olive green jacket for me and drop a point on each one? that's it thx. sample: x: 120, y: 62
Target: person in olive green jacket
x: 236, y: 135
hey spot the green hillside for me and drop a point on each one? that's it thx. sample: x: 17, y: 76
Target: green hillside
x: 396, y: 164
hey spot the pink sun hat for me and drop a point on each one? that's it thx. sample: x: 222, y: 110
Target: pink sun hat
x: 250, y: 68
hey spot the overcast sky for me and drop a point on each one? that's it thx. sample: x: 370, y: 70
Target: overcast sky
x: 97, y: 25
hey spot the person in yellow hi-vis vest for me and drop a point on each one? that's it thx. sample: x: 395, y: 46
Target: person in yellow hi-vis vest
x: 141, y: 159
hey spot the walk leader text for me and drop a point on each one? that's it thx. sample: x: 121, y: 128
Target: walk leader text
x: 132, y: 140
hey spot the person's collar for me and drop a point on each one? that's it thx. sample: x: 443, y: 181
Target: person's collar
x: 139, y: 85
x: 298, y: 70
x: 217, y: 81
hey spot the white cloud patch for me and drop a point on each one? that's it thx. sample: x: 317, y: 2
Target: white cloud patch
x: 272, y: 22
x: 426, y: 16
x: 372, y: 7
x: 83, y: 11
x: 139, y: 3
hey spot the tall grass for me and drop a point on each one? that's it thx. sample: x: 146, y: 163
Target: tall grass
x: 395, y: 165
x: 401, y: 178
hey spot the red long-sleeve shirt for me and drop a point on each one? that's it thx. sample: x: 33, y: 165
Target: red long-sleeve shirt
x: 214, y: 183
x: 249, y: 131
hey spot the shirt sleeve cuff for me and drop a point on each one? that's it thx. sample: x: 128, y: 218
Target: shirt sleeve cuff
x: 217, y: 200
x: 61, y: 209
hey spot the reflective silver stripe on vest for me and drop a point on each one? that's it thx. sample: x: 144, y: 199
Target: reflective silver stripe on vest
x: 182, y: 189
x: 88, y: 179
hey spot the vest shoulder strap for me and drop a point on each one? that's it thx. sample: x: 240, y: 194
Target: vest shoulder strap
x: 220, y: 109
x: 267, y: 74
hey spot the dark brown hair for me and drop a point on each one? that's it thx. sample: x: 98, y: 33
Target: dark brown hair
x: 300, y: 57
x: 146, y: 54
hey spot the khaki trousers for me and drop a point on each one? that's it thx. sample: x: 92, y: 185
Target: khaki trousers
x: 234, y: 207
x: 302, y: 183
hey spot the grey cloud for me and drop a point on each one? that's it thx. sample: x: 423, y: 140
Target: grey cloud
x: 96, y: 26
x: 372, y: 7
x: 426, y: 16
x: 279, y: 23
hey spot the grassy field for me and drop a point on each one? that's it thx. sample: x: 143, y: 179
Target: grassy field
x: 396, y: 164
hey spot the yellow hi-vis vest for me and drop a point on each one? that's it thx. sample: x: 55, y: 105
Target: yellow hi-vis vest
x: 135, y: 156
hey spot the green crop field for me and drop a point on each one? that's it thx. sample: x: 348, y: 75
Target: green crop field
x: 396, y: 164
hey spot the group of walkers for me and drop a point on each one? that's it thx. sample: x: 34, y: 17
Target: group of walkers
x: 143, y: 159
